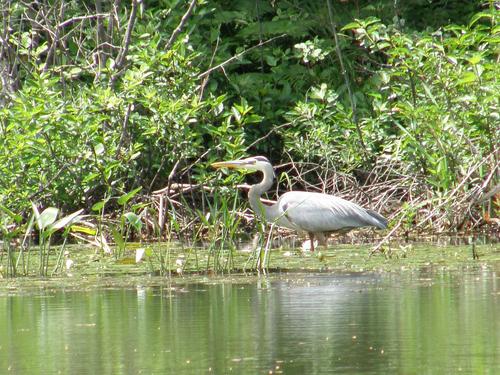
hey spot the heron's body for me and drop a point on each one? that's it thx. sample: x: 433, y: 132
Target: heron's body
x: 314, y: 213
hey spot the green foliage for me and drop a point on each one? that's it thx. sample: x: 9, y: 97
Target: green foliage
x: 436, y: 101
x: 322, y: 131
x: 73, y: 142
x: 220, y: 223
x: 96, y: 112
x: 277, y: 75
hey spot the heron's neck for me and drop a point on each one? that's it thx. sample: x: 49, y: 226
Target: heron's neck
x: 257, y: 190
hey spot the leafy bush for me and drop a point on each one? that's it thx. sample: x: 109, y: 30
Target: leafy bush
x: 67, y: 140
x: 99, y: 102
x: 435, y: 102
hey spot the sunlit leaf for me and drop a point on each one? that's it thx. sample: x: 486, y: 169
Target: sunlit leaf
x: 236, y: 114
x: 128, y: 196
x: 98, y: 206
x: 475, y: 59
x: 479, y: 16
x: 61, y: 223
x: 119, y: 241
x: 36, y: 213
x: 467, y: 77
x: 429, y: 92
x: 83, y: 229
x: 139, y: 253
x: 47, y: 217
x: 134, y: 220
x: 351, y: 25
x: 16, y: 217
x: 99, y: 148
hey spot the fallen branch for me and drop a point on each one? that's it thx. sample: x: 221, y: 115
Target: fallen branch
x: 494, y: 191
x: 451, y: 195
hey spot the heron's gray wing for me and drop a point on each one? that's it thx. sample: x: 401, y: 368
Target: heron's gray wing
x: 315, y: 212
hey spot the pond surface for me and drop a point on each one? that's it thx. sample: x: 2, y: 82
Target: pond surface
x: 416, y: 322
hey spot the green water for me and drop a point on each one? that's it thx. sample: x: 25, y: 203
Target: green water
x: 419, y: 322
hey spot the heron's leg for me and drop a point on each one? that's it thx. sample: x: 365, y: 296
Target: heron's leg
x: 311, y: 240
x: 322, y: 239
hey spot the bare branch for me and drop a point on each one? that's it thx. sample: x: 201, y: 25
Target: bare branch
x: 205, y: 80
x: 82, y: 18
x: 494, y: 191
x: 124, y: 130
x: 115, y: 18
x: 238, y: 55
x: 113, y: 23
x: 55, y: 42
x: 101, y: 36
x: 273, y: 130
x: 41, y: 26
x: 181, y: 25
x: 128, y: 36
x: 172, y: 174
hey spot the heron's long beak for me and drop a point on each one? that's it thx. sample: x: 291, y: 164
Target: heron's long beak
x: 229, y: 164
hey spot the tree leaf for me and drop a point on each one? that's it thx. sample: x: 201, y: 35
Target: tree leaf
x: 467, y: 77
x: 351, y: 25
x: 16, y: 217
x: 475, y: 59
x: 480, y: 15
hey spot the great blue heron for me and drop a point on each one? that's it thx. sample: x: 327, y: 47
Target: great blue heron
x: 314, y: 213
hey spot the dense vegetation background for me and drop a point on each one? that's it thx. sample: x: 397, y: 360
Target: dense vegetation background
x: 391, y: 103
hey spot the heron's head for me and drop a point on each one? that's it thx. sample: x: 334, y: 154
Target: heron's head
x: 254, y: 163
